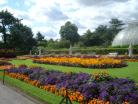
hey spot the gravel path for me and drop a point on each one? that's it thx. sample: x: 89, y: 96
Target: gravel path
x: 9, y: 96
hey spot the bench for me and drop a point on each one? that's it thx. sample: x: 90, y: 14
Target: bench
x: 113, y: 54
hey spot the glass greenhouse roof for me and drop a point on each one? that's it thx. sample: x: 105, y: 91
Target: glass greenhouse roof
x: 128, y: 35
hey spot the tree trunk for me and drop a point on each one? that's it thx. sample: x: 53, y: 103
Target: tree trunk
x: 70, y: 50
x: 5, y: 38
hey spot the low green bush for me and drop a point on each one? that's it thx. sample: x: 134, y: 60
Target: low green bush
x: 93, y: 50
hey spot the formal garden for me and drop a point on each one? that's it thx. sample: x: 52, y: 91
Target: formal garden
x: 93, y: 71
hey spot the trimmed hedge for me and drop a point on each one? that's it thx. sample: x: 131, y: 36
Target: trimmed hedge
x: 11, y: 53
x: 7, y: 53
x: 96, y: 50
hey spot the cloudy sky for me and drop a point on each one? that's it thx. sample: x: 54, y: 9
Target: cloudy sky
x: 47, y: 16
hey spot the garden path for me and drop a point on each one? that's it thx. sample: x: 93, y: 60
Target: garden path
x: 10, y: 96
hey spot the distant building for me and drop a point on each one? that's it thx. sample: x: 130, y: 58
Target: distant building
x: 129, y: 35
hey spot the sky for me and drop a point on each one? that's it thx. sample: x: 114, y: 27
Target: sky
x: 47, y: 16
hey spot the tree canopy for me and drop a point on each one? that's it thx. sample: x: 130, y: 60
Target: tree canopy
x: 39, y: 36
x: 14, y: 33
x: 7, y: 20
x: 103, y: 34
x: 69, y: 32
x: 21, y: 37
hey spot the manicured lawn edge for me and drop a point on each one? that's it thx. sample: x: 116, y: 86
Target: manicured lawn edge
x: 37, y: 93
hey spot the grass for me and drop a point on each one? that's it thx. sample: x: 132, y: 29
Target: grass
x: 33, y: 91
x: 131, y: 71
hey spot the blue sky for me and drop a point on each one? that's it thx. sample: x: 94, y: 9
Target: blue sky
x: 47, y: 16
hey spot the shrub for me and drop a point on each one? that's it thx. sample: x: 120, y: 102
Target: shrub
x: 7, y: 53
x: 99, y: 51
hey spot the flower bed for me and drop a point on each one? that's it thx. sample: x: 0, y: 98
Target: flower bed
x: 82, y: 62
x: 127, y: 58
x: 5, y: 65
x: 7, y: 53
x: 94, y: 89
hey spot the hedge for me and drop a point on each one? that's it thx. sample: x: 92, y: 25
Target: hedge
x: 91, y: 51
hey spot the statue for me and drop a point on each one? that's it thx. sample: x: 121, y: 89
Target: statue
x: 130, y: 50
x: 39, y: 52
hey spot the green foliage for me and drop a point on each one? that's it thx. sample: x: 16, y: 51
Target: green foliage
x: 7, y: 20
x: 8, y: 53
x: 42, y: 43
x: 21, y: 37
x: 56, y: 44
x: 69, y: 32
x: 115, y: 25
x: 51, y: 44
x: 63, y: 44
x: 99, y: 51
x: 103, y: 34
x: 14, y: 34
x: 39, y: 36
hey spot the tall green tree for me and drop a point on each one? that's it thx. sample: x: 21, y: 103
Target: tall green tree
x: 7, y: 20
x: 69, y: 32
x: 90, y: 39
x: 115, y: 26
x: 41, y: 42
x: 21, y: 37
x: 39, y: 36
x: 101, y: 33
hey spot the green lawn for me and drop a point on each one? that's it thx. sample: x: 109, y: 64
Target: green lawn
x: 131, y: 71
x: 33, y: 91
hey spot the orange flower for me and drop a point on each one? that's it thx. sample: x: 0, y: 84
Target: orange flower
x: 84, y: 62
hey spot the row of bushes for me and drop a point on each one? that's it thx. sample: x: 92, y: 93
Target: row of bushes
x: 7, y: 53
x: 91, y: 51
x: 11, y: 53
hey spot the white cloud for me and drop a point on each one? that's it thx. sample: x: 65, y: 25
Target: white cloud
x: 2, y: 2
x: 27, y: 3
x: 47, y: 16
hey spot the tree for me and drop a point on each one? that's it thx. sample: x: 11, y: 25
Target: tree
x: 63, y: 43
x: 69, y: 32
x: 39, y: 36
x: 41, y: 42
x: 21, y: 37
x: 115, y: 26
x: 86, y: 39
x: 101, y: 33
x: 7, y: 20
